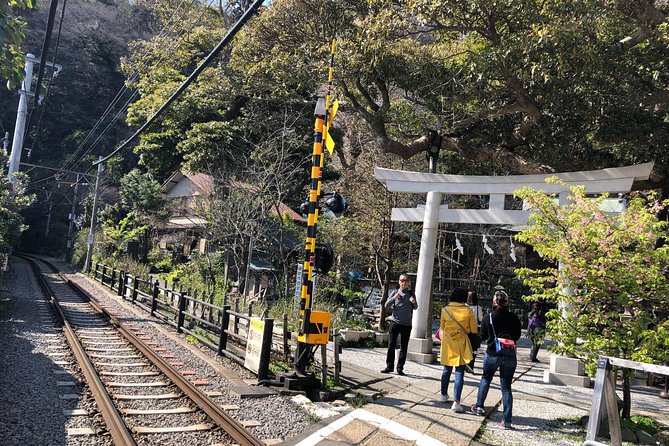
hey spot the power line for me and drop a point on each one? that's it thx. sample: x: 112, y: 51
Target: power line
x: 42, y: 62
x: 48, y: 87
x: 120, y: 94
x: 136, y: 72
x: 233, y: 31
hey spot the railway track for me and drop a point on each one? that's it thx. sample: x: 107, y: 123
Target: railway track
x: 142, y: 398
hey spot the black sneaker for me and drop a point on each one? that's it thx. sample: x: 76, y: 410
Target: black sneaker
x: 386, y: 370
x: 400, y: 372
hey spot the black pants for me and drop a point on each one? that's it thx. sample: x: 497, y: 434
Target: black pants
x: 536, y: 344
x: 395, y: 330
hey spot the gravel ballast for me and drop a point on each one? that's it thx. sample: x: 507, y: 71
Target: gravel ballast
x: 31, y: 401
x: 271, y: 418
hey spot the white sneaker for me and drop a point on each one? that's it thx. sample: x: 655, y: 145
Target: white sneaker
x: 457, y: 408
x: 443, y: 398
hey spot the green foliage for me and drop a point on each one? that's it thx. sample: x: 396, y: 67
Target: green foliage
x: 276, y: 367
x: 12, y: 200
x: 284, y: 306
x: 615, y: 267
x: 193, y: 340
x: 357, y: 402
x: 330, y: 383
x: 172, y: 277
x: 125, y: 263
x: 160, y: 259
x: 127, y: 230
x: 11, y: 36
x: 141, y: 194
x: 641, y: 422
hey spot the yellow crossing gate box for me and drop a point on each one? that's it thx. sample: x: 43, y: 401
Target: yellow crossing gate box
x: 319, y: 328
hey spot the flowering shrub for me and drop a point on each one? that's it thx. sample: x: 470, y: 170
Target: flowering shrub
x: 611, y: 284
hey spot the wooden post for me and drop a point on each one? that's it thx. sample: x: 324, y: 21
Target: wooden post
x: 121, y: 283
x: 265, y: 350
x: 337, y: 362
x: 112, y: 281
x: 286, y: 351
x: 104, y: 271
x: 612, y: 408
x: 182, y: 307
x: 596, y: 409
x: 135, y: 285
x: 324, y: 365
x: 236, y: 324
x: 223, y: 337
x: 154, y: 297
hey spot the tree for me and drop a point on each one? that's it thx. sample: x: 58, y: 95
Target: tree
x: 247, y: 212
x: 617, y: 267
x: 12, y: 200
x: 127, y: 230
x: 527, y: 85
x: 11, y: 37
x: 142, y: 195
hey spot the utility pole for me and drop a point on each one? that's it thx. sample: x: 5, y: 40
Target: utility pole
x: 48, y: 218
x: 70, y: 228
x: 91, y: 232
x: 19, y: 128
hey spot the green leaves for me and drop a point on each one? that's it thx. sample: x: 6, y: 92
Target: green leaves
x: 12, y: 200
x: 611, y: 276
x: 11, y: 36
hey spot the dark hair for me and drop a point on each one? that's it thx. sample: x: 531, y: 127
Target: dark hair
x: 459, y: 295
x: 501, y: 299
x: 472, y: 298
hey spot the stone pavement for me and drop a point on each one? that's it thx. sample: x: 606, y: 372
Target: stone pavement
x: 405, y: 410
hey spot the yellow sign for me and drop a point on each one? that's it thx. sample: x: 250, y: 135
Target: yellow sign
x: 329, y: 142
x: 254, y: 344
x: 319, y: 329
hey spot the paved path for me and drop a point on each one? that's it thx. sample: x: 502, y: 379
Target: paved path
x: 408, y: 411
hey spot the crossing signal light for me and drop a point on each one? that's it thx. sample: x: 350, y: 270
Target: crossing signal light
x: 324, y: 258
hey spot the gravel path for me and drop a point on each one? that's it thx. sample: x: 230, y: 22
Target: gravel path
x: 30, y: 400
x: 548, y: 415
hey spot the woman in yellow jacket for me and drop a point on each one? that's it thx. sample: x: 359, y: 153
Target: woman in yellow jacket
x: 456, y: 350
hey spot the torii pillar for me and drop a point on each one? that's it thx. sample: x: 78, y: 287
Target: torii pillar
x: 613, y: 180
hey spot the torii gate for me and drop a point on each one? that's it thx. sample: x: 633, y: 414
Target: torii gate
x: 613, y: 180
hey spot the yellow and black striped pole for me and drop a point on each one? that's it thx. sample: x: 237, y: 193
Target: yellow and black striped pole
x: 313, y: 326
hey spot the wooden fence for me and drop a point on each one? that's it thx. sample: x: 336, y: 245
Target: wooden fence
x: 604, y: 396
x: 221, y: 328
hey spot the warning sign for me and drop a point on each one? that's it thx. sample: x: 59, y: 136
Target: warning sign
x: 254, y: 344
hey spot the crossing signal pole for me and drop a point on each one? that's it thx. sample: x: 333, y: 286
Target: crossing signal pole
x: 314, y: 326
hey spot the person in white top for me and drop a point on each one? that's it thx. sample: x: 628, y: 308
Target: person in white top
x: 473, y: 303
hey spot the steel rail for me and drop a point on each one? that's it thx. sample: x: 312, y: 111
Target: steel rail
x: 235, y: 429
x: 113, y: 419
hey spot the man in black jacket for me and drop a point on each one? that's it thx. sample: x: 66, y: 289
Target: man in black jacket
x: 504, y: 325
x: 402, y: 302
